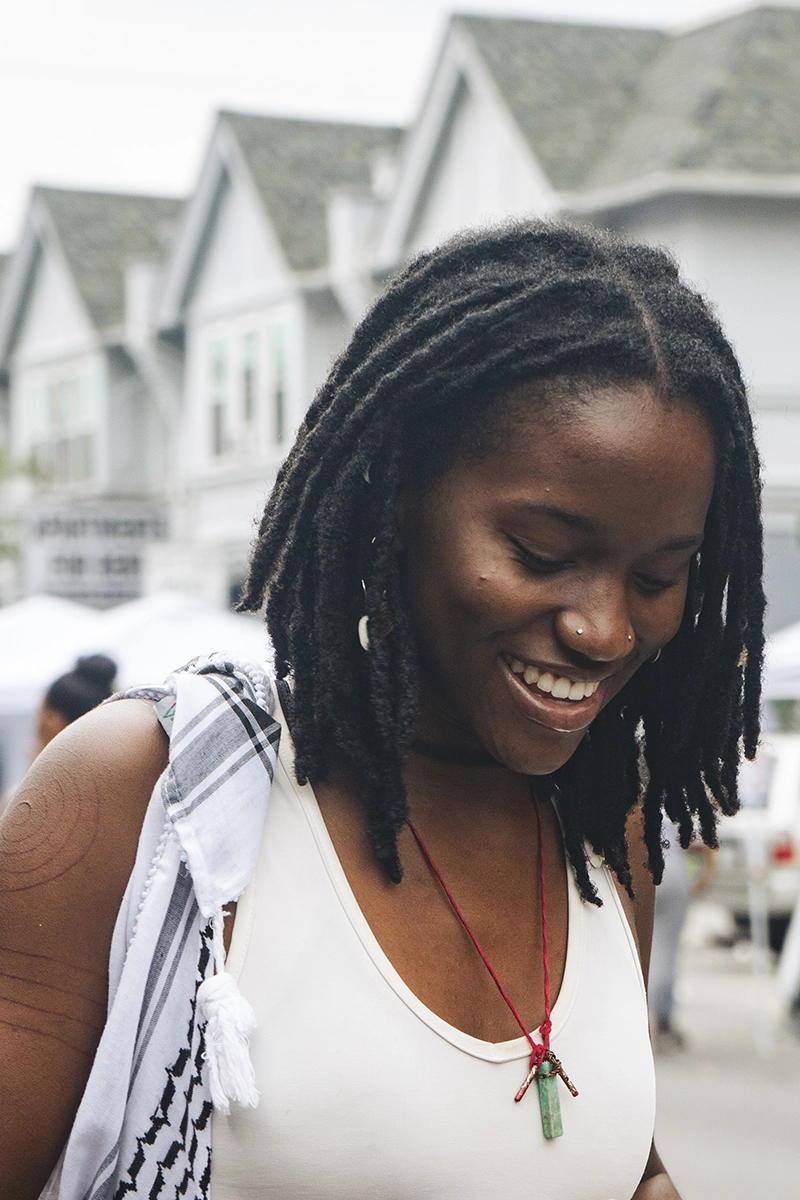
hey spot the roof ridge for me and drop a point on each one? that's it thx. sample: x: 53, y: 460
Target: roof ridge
x: 295, y: 163
x: 322, y: 122
x: 53, y: 189
x: 522, y: 19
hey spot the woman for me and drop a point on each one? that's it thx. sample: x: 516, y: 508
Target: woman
x: 512, y: 574
x: 72, y: 695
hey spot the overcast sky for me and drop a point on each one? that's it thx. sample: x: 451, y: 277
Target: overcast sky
x: 120, y: 94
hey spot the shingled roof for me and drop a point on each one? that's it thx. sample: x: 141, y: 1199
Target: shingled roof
x: 567, y: 86
x: 601, y: 105
x: 295, y: 165
x: 99, y: 232
x: 725, y: 97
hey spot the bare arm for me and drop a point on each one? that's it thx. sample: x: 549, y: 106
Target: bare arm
x: 655, y: 1183
x: 67, y: 846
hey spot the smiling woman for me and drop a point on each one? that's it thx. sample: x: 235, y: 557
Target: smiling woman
x: 531, y: 472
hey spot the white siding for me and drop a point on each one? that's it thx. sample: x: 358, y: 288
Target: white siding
x: 481, y: 174
x: 245, y: 393
x: 745, y: 256
x: 55, y: 324
x: 243, y: 265
x: 327, y: 331
x: 244, y: 390
x: 58, y: 421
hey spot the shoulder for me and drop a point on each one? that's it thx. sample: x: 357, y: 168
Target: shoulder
x: 99, y: 773
x: 75, y: 819
x: 68, y: 841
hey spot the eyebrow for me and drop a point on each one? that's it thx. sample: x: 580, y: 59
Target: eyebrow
x: 587, y: 525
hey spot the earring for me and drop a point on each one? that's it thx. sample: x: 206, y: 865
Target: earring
x: 579, y: 632
x: 387, y: 624
x: 363, y: 632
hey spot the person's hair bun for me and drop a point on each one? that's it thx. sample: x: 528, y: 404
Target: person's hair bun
x: 98, y: 667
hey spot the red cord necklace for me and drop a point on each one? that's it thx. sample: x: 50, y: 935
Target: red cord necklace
x: 544, y: 1066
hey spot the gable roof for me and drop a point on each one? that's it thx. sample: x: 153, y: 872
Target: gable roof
x: 724, y: 97
x: 99, y: 232
x: 295, y: 164
x: 568, y: 87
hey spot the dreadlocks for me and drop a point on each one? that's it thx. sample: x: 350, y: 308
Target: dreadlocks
x: 420, y: 381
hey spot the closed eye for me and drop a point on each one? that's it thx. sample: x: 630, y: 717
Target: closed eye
x: 537, y: 562
x: 649, y: 584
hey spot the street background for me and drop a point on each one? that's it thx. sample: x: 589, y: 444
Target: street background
x: 728, y: 1124
x: 157, y: 351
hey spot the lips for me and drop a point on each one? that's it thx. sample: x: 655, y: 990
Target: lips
x: 553, y: 711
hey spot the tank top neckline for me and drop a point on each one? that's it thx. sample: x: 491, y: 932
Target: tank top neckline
x: 515, y: 1048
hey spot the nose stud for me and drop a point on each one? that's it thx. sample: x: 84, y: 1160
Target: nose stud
x: 580, y: 633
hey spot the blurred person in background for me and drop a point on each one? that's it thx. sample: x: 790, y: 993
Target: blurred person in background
x: 687, y: 873
x: 69, y: 697
x: 511, y: 570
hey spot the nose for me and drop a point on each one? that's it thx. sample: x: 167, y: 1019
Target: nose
x: 600, y: 628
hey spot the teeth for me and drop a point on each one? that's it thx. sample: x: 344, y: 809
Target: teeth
x: 559, y: 686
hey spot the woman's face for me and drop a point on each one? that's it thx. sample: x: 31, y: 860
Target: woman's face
x: 558, y: 561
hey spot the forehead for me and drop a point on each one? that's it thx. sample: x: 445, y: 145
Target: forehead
x: 612, y: 453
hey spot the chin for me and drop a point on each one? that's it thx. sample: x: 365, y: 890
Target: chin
x: 544, y: 758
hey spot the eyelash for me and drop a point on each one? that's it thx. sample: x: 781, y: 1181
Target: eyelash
x: 542, y: 566
x: 655, y: 585
x: 547, y: 566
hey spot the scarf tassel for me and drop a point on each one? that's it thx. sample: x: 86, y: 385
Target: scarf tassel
x: 229, y: 1021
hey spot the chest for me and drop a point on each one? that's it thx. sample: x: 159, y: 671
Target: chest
x: 497, y: 880
x: 368, y: 1091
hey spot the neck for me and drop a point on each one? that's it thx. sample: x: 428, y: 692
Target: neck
x: 468, y: 758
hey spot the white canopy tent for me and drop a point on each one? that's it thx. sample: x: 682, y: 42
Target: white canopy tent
x: 782, y: 670
x: 42, y: 636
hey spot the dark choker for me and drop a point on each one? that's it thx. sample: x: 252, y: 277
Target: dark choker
x: 467, y: 758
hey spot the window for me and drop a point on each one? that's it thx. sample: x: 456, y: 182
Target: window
x: 218, y: 391
x: 279, y: 382
x: 249, y: 377
x: 63, y: 414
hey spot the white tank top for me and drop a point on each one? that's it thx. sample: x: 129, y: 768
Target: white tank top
x: 364, y: 1092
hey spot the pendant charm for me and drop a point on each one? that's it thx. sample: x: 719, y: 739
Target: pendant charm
x: 546, y: 1074
x: 549, y: 1103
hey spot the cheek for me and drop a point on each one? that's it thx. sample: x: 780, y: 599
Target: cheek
x: 673, y: 607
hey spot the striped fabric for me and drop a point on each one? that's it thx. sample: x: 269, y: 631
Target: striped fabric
x: 143, y: 1127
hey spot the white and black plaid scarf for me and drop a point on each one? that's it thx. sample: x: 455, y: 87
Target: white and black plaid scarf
x: 144, y: 1124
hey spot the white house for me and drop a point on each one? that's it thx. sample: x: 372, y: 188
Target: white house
x: 92, y: 403
x: 269, y: 271
x: 690, y: 140
x: 179, y: 392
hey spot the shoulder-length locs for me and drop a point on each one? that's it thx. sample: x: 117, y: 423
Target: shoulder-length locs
x: 418, y: 380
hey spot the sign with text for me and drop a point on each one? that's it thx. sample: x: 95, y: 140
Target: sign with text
x: 91, y: 554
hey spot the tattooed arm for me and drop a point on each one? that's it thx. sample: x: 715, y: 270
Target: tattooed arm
x: 67, y: 846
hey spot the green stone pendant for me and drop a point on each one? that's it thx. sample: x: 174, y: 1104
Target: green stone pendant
x: 549, y: 1102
